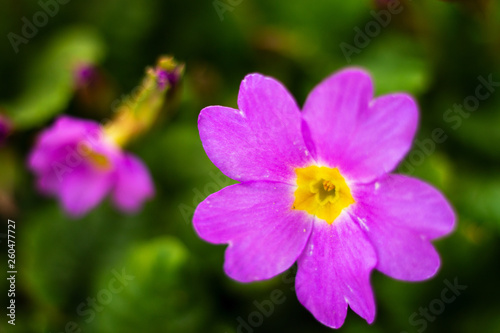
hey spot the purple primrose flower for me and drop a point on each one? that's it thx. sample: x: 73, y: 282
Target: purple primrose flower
x: 315, y: 189
x: 74, y: 161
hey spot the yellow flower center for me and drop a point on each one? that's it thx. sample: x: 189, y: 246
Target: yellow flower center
x: 322, y: 192
x: 100, y: 161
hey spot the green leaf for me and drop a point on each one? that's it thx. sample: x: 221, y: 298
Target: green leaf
x: 478, y: 196
x: 160, y: 292
x: 397, y: 65
x: 50, y: 78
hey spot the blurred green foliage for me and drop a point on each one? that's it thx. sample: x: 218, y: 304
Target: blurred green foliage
x: 432, y: 49
x: 50, y: 80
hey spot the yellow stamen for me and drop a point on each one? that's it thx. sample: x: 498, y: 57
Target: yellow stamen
x: 322, y: 191
x: 328, y: 185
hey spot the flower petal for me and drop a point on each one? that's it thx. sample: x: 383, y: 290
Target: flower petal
x: 331, y: 113
x: 133, y: 184
x: 265, y: 235
x: 67, y: 137
x: 262, y: 140
x: 83, y: 188
x: 400, y: 216
x: 384, y: 135
x: 409, y: 203
x: 47, y: 181
x: 334, y: 271
x: 68, y: 129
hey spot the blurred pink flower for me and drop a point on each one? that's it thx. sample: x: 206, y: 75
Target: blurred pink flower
x: 74, y: 161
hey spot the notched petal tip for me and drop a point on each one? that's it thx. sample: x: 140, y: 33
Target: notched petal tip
x: 357, y: 74
x: 255, y: 220
x: 345, y: 81
x: 335, y: 273
x: 354, y: 70
x: 213, y: 110
x: 448, y: 219
x: 407, y: 103
x: 254, y: 78
x: 265, y: 87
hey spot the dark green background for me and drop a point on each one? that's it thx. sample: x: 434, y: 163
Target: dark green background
x: 432, y: 49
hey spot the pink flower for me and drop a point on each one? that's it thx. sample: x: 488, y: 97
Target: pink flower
x: 74, y: 161
x: 315, y: 189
